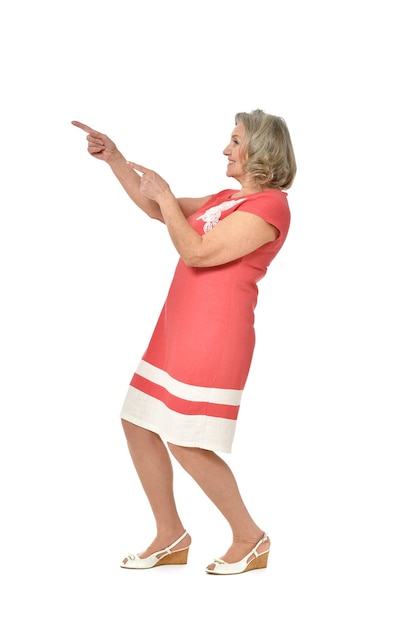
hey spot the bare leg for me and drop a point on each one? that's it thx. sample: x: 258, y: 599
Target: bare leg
x: 217, y: 481
x: 154, y: 468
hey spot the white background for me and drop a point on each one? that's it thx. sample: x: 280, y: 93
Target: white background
x: 325, y: 449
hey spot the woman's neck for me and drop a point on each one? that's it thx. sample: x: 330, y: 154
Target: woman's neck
x: 247, y: 190
x: 248, y: 187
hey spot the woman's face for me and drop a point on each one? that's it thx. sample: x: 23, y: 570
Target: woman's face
x: 236, y: 156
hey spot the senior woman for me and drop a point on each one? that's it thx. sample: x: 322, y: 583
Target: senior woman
x: 183, y: 400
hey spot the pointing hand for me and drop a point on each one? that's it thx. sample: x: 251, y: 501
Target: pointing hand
x: 151, y: 185
x: 99, y: 146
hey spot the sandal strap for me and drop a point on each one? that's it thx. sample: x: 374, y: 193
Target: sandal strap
x: 183, y: 536
x: 255, y: 549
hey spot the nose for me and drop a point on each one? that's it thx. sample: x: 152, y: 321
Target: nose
x: 227, y: 151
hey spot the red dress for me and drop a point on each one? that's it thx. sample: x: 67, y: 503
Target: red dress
x: 189, y: 383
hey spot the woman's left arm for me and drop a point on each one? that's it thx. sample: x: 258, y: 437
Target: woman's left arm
x: 237, y: 235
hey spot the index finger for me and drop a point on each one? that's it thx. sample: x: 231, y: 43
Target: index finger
x: 84, y: 127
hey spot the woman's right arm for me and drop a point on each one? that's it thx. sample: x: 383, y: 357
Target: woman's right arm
x: 103, y: 148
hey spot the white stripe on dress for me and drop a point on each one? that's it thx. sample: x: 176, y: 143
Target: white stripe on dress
x: 193, y: 393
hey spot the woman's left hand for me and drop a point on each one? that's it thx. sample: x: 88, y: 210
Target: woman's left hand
x: 152, y: 185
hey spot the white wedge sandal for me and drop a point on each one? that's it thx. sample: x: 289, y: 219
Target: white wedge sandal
x: 168, y: 556
x: 253, y: 560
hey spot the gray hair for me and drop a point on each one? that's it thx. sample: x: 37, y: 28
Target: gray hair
x: 270, y: 156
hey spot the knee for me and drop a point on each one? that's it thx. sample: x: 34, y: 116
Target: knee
x: 128, y: 429
x: 136, y: 434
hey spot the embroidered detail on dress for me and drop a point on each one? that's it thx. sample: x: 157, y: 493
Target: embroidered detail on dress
x: 211, y: 217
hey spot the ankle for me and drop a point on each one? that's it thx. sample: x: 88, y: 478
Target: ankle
x: 249, y: 539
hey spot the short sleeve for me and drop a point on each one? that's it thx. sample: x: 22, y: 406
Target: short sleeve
x: 272, y: 206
